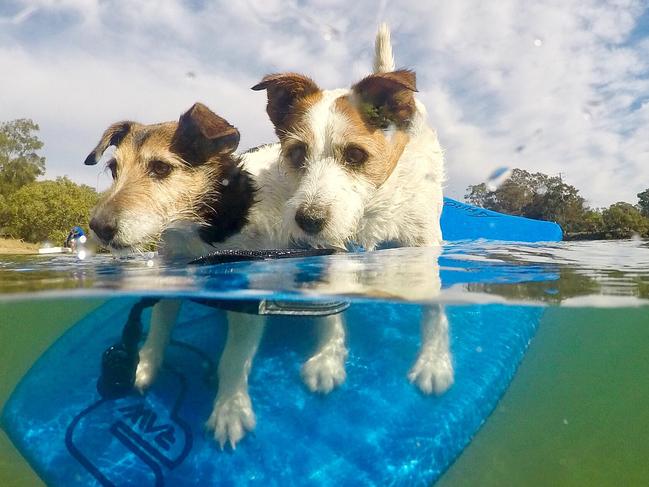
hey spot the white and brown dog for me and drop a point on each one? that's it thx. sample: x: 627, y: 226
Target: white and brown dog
x: 364, y: 168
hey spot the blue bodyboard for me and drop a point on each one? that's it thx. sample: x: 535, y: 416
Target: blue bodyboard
x: 466, y: 222
x: 376, y: 429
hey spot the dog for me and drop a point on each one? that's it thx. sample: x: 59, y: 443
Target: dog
x: 185, y: 175
x: 364, y: 169
x: 180, y: 183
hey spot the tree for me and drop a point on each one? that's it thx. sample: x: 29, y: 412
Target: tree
x: 593, y: 222
x: 47, y: 210
x: 534, y: 195
x: 480, y: 195
x: 643, y: 202
x: 19, y: 162
x: 623, y: 220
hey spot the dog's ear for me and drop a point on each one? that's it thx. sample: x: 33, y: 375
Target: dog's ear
x: 387, y: 98
x: 112, y: 136
x: 284, y: 91
x: 202, y: 134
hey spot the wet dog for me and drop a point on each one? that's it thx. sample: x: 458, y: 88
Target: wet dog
x: 364, y: 168
x: 186, y: 174
x: 180, y: 183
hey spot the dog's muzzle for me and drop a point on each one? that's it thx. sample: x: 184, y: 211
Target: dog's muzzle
x: 312, y: 219
x: 104, y: 227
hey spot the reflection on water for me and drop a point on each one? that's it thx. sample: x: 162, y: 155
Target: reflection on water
x: 475, y: 272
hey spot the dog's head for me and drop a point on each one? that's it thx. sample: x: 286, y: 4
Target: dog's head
x: 339, y: 146
x: 162, y: 174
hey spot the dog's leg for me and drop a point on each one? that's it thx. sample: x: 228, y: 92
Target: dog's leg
x: 233, y: 415
x: 163, y: 318
x: 326, y: 368
x: 433, y: 370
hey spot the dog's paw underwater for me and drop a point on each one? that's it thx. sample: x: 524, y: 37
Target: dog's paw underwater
x: 231, y: 418
x: 432, y: 373
x: 147, y: 369
x: 324, y: 371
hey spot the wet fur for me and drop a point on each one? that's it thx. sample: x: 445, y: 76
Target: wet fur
x: 210, y: 199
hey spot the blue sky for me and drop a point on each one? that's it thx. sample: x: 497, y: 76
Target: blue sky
x: 550, y: 85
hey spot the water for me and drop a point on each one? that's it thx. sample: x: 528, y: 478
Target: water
x: 602, y: 273
x: 575, y: 413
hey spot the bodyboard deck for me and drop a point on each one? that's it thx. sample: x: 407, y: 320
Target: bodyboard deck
x: 376, y: 429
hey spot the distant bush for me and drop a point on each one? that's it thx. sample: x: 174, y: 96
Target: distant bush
x: 623, y: 220
x: 543, y: 197
x: 3, y: 213
x: 534, y: 195
x: 47, y: 210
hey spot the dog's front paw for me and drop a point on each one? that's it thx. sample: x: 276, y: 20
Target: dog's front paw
x: 231, y: 418
x: 147, y: 369
x: 432, y: 373
x: 324, y: 371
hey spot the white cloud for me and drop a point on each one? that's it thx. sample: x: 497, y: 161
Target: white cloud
x: 550, y: 86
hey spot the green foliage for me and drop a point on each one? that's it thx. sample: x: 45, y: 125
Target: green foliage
x: 378, y: 116
x: 47, y: 210
x: 593, y: 222
x: 643, y: 202
x: 3, y: 213
x: 19, y: 162
x: 480, y: 195
x: 623, y: 220
x: 543, y: 197
x: 533, y: 195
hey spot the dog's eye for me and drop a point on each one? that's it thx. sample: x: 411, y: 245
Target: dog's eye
x: 355, y: 156
x: 112, y: 167
x: 159, y: 169
x: 296, y: 155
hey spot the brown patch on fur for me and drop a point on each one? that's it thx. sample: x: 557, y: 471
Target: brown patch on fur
x: 201, y: 134
x: 383, y: 153
x: 289, y: 95
x: 113, y: 135
x: 388, y: 98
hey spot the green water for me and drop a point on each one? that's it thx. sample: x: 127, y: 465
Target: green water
x: 575, y: 414
x: 27, y: 328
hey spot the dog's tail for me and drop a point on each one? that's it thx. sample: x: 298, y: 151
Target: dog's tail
x: 383, y: 58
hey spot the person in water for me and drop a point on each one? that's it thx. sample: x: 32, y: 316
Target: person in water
x: 75, y: 237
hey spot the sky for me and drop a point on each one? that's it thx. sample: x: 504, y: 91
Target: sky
x: 556, y: 86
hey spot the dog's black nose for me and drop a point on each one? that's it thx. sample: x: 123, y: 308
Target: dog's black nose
x: 311, y: 219
x: 104, y: 228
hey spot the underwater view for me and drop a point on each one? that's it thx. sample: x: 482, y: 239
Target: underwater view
x: 547, y: 345
x: 324, y: 243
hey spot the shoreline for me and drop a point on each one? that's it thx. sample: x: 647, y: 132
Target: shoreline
x: 11, y: 246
